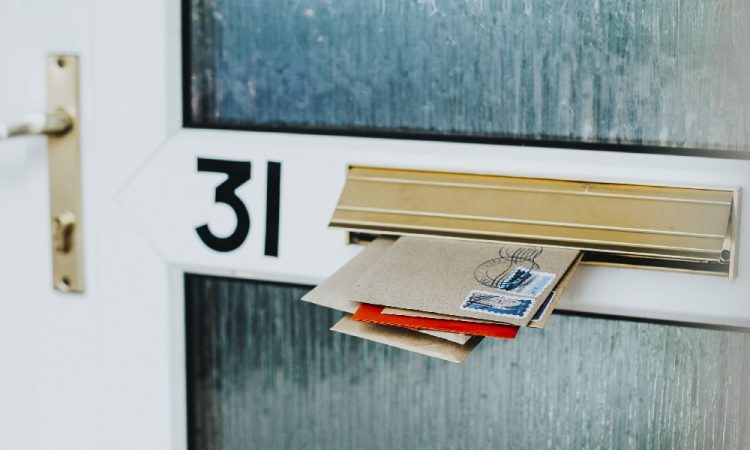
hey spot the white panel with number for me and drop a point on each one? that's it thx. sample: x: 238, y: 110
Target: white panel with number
x: 191, y: 199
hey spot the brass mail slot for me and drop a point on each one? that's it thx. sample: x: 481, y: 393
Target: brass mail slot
x: 673, y: 228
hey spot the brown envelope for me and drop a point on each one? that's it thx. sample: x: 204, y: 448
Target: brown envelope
x: 542, y: 316
x: 429, y: 315
x: 490, y: 281
x: 336, y: 291
x: 407, y: 339
x: 458, y: 338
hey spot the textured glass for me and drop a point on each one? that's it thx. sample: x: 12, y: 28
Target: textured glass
x: 667, y: 73
x: 264, y: 372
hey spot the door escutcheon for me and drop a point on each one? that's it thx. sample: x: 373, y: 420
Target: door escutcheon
x: 61, y: 126
x: 65, y: 175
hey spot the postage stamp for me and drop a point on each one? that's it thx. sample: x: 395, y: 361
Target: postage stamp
x: 497, y: 304
x: 526, y: 282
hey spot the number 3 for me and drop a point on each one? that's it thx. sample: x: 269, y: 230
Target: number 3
x: 238, y: 173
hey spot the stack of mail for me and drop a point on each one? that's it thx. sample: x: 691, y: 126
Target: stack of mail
x: 441, y: 297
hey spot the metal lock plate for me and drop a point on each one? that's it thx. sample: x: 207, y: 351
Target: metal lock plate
x: 65, y: 175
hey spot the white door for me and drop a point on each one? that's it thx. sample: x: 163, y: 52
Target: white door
x: 50, y: 346
x: 75, y: 374
x: 105, y: 369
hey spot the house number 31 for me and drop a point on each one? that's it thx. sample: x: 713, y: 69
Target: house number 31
x: 238, y: 172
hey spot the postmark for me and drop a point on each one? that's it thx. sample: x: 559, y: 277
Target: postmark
x: 515, y: 271
x: 497, y: 304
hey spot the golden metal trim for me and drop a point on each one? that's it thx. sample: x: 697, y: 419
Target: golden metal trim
x: 527, y: 222
x: 658, y: 222
x: 733, y: 231
x: 686, y: 255
x: 544, y: 191
x: 65, y: 175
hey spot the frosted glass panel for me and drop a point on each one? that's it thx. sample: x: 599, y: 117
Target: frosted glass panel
x: 669, y: 73
x: 264, y: 372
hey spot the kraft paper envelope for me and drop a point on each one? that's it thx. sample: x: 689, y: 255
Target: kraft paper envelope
x: 458, y: 338
x: 540, y: 317
x: 491, y: 281
x: 407, y: 339
x: 543, y: 314
x: 429, y: 315
x: 336, y: 291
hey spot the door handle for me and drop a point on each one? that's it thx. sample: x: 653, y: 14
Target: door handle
x: 56, y: 122
x: 61, y: 126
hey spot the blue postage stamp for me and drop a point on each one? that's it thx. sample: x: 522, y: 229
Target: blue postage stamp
x: 497, y: 304
x: 526, y: 282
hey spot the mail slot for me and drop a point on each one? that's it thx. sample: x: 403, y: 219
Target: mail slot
x: 458, y: 257
x: 654, y: 227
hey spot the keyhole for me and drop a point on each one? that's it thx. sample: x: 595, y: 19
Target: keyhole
x: 62, y: 231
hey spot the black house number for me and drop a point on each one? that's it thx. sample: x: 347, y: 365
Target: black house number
x: 238, y: 173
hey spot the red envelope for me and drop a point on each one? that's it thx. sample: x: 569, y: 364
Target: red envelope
x: 373, y: 314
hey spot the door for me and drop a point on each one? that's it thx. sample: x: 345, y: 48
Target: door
x: 75, y: 374
x: 106, y: 369
x: 50, y: 342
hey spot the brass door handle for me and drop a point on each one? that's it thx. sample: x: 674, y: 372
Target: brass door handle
x: 61, y: 124
x: 56, y: 122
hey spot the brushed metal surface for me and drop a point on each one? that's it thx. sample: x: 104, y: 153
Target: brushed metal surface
x: 623, y: 219
x: 265, y: 372
x: 64, y: 156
